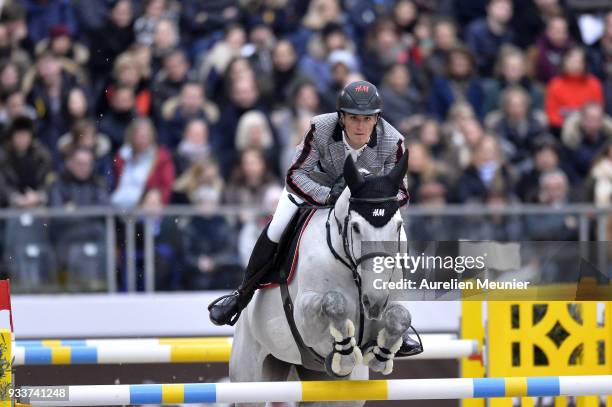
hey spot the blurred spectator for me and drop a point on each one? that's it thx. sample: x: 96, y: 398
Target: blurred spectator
x: 260, y: 46
x: 485, y: 36
x: 48, y: 93
x: 486, y: 174
x: 531, y: 16
x: 250, y: 180
x: 77, y: 107
x: 141, y: 165
x: 459, y: 83
x: 200, y: 178
x: 165, y: 39
x: 429, y: 133
x: 547, y: 54
x: 210, y: 248
x: 321, y: 13
x: 600, y: 57
x: 60, y: 42
x: 251, y: 229
x: 342, y: 64
x: 405, y: 17
x: 402, y: 99
x: 285, y: 71
x: 84, y: 135
x: 291, y: 122
x: 571, y: 89
x: 24, y: 167
x: 432, y: 194
x: 144, y: 26
x: 10, y: 77
x: 110, y: 40
x: 298, y: 128
x: 201, y: 21
x: 601, y: 177
x: 239, y: 68
x: 511, y: 71
x: 167, y: 233
x: 421, y: 169
x: 14, y: 15
x: 91, y: 14
x: 126, y: 73
x: 170, y: 79
x: 44, y: 15
x: 468, y: 11
x: 78, y: 184
x: 462, y: 133
x: 445, y: 39
x: 585, y: 133
x: 383, y: 49
x: 116, y: 120
x: 14, y: 105
x: 554, y: 192
x: 243, y: 96
x: 253, y: 131
x: 190, y: 104
x: 194, y: 146
x: 80, y: 240
x: 10, y: 52
x: 517, y: 126
x: 545, y: 159
x: 216, y: 61
x: 494, y: 226
x: 315, y: 61
x: 600, y: 53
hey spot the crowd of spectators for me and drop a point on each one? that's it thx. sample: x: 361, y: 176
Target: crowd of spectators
x: 145, y: 103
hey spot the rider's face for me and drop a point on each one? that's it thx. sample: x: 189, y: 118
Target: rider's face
x: 358, y: 128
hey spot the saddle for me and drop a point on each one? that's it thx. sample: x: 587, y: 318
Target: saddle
x: 288, y: 251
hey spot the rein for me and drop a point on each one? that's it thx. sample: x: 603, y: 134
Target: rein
x: 310, y: 358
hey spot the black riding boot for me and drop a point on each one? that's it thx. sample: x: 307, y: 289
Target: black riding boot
x: 226, y: 310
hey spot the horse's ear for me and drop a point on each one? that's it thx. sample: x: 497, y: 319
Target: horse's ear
x: 352, y: 176
x: 397, y: 174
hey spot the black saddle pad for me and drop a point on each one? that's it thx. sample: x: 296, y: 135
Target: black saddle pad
x: 287, y: 253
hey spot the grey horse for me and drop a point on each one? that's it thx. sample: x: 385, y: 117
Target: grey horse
x: 325, y: 296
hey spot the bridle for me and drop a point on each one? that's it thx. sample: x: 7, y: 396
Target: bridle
x: 310, y: 358
x: 350, y: 261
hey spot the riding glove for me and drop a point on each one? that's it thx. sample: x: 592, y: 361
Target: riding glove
x: 335, y: 192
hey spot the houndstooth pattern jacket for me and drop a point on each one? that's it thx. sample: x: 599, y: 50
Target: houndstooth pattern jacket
x: 319, y: 160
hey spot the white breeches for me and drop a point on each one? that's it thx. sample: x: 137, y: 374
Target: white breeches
x: 282, y: 215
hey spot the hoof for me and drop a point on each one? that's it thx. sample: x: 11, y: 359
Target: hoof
x: 328, y: 366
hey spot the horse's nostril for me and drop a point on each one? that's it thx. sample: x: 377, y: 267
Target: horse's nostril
x: 366, y: 301
x: 374, y: 310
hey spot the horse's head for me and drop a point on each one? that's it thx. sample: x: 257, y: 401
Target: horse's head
x: 372, y: 216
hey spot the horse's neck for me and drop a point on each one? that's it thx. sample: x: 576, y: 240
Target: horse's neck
x: 340, y: 212
x: 342, y: 205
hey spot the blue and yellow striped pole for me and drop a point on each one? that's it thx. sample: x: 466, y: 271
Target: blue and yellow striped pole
x: 407, y: 389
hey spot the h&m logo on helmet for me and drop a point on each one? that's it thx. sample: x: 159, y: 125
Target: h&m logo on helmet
x: 362, y: 88
x: 378, y: 212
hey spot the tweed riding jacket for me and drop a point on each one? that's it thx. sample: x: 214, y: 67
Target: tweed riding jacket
x: 319, y: 159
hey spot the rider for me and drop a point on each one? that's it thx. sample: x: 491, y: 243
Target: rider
x: 316, y: 177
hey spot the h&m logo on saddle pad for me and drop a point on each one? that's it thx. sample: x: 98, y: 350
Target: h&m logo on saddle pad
x: 362, y: 88
x: 378, y: 212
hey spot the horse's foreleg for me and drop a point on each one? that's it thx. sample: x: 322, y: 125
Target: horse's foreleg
x: 345, y: 354
x: 396, y: 320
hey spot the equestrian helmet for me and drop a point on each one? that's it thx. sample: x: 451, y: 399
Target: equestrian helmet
x: 360, y: 97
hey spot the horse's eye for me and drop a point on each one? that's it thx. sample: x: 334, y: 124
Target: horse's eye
x: 355, y: 226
